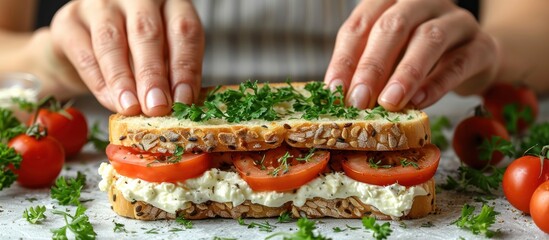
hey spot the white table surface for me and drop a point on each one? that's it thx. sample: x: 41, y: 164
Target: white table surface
x: 511, y: 223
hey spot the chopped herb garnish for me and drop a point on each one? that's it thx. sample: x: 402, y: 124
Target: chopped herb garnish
x: 98, y: 137
x: 478, y: 224
x: 223, y: 238
x: 8, y: 157
x: 427, y: 224
x: 118, y: 227
x: 305, y: 230
x: 152, y: 231
x: 79, y: 224
x: 347, y: 227
x: 379, y: 231
x: 264, y: 227
x: 176, y: 230
x: 477, y: 179
x: 376, y: 165
x: 177, y: 155
x: 512, y: 115
x: 402, y: 224
x: 283, y: 166
x: 285, y: 217
x: 495, y: 144
x: 308, y: 156
x: 379, y: 111
x: 31, y: 200
x: 35, y: 215
x: 9, y: 126
x: 405, y: 163
x: 67, y: 191
x: 188, y: 224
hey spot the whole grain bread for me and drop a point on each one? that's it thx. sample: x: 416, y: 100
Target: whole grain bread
x: 349, y: 207
x: 395, y: 131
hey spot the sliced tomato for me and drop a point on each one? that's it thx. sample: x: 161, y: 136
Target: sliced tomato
x: 132, y: 163
x: 384, y: 168
x: 266, y: 172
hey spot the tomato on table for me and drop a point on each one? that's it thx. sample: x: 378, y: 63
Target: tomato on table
x: 68, y: 126
x: 469, y: 135
x: 408, y: 167
x: 42, y: 160
x: 539, y: 207
x: 157, y: 167
x: 521, y: 178
x: 502, y: 95
x: 280, y: 169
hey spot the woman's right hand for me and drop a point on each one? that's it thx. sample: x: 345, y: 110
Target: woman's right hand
x: 134, y: 56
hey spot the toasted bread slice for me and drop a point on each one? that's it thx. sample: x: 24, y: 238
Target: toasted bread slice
x: 395, y: 131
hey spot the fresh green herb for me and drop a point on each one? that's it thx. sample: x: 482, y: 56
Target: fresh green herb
x: 305, y: 231
x: 308, y: 156
x: 264, y: 227
x: 223, y: 238
x: 9, y: 126
x: 478, y: 224
x: 98, y: 137
x: 35, y: 215
x: 347, y: 227
x: 512, y: 115
x: 405, y: 163
x: 8, y: 157
x: 394, y: 120
x: 284, y: 217
x: 402, y: 224
x: 176, y: 230
x: 31, y: 200
x: 477, y: 179
x: 152, y: 231
x: 495, y: 144
x: 379, y: 111
x: 118, y: 227
x: 483, y: 199
x: 24, y: 104
x: 283, y: 166
x: 537, y: 137
x: 188, y: 224
x: 177, y: 155
x: 380, y: 231
x: 376, y: 165
x: 79, y: 224
x: 437, y: 136
x: 427, y: 224
x: 67, y: 191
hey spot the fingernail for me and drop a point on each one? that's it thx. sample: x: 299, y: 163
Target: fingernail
x: 156, y: 97
x: 183, y: 93
x: 393, y: 95
x: 128, y: 100
x: 335, y: 83
x: 419, y: 97
x: 360, y: 97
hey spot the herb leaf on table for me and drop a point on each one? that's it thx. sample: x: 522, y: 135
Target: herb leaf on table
x: 478, y: 224
x: 305, y: 231
x: 474, y: 179
x: 78, y: 223
x: 35, y: 215
x: 380, y: 232
x: 67, y: 190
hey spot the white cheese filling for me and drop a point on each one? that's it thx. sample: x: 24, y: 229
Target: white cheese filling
x: 222, y: 186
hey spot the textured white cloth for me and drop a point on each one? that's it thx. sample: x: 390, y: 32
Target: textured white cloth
x: 269, y: 40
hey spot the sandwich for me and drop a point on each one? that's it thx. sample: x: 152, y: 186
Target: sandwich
x: 262, y: 150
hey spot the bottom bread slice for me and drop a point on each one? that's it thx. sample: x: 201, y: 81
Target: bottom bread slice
x: 350, y: 207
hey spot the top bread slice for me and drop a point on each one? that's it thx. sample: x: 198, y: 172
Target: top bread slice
x: 395, y: 131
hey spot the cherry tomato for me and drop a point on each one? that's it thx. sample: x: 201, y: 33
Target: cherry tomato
x: 539, y: 206
x: 469, y: 135
x: 521, y: 178
x: 71, y: 132
x: 42, y: 162
x: 150, y: 167
x: 501, y: 94
x: 384, y: 168
x: 268, y: 174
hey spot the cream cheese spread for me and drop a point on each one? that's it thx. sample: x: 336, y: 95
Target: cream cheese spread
x: 223, y: 186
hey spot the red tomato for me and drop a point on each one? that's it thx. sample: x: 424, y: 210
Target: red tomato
x: 540, y: 207
x: 71, y: 132
x: 261, y: 173
x: 358, y: 166
x: 42, y: 160
x: 135, y: 164
x: 502, y: 94
x: 521, y: 178
x: 469, y: 135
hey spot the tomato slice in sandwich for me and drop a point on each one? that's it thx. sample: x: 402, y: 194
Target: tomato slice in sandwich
x: 408, y: 167
x: 280, y: 169
x: 156, y: 167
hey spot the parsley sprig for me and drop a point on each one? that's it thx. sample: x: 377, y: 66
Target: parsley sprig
x: 9, y: 126
x: 78, y: 223
x: 538, y: 136
x: 305, y: 231
x: 513, y: 113
x: 405, y: 163
x: 375, y: 165
x: 283, y: 166
x: 478, y: 224
x: 35, y: 215
x: 264, y: 227
x: 119, y: 227
x: 67, y: 190
x: 98, y: 137
x: 285, y: 217
x: 495, y: 144
x: 188, y: 224
x: 8, y: 157
x: 474, y: 179
x: 379, y: 231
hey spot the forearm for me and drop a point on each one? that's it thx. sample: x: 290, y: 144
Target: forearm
x: 520, y: 29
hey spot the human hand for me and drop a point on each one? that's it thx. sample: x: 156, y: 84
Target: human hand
x: 134, y: 56
x: 401, y: 52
